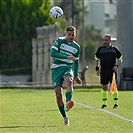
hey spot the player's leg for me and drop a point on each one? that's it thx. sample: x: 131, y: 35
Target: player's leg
x: 57, y: 80
x: 104, y: 81
x: 69, y: 87
x: 59, y: 99
x: 104, y: 95
x: 60, y: 103
x: 69, y: 91
x: 68, y: 78
x: 115, y: 98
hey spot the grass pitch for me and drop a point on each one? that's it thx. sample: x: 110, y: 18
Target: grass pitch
x: 35, y: 110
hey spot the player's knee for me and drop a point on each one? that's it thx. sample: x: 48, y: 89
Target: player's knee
x: 69, y: 81
x: 105, y: 88
x: 58, y: 95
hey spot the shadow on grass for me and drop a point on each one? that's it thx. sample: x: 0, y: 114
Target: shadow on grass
x: 88, y: 90
x: 43, y: 126
x: 50, y: 109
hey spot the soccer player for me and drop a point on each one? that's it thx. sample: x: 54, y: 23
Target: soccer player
x: 65, y: 52
x: 108, y: 58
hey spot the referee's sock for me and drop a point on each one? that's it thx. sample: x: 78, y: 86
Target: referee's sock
x: 104, y: 96
x: 115, y: 97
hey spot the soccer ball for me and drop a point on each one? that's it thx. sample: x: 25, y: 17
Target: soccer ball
x: 56, y: 12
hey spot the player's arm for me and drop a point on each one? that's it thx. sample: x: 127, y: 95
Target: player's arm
x: 76, y: 67
x: 76, y: 63
x: 54, y: 53
x: 97, y: 67
x: 97, y: 58
x: 119, y: 57
x: 119, y: 61
x: 117, y: 65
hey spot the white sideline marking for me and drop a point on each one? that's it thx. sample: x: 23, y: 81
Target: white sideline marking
x: 106, y: 111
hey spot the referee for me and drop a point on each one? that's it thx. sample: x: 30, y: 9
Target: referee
x: 108, y: 59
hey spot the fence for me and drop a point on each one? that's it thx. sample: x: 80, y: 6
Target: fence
x: 41, y: 60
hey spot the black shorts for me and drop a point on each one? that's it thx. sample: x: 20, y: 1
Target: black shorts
x: 106, y: 76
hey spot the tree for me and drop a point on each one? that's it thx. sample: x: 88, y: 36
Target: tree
x: 19, y: 20
x: 73, y: 12
x: 92, y: 41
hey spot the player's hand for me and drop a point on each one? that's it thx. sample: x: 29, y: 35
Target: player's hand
x: 78, y: 80
x: 115, y: 68
x: 98, y: 73
x: 71, y: 58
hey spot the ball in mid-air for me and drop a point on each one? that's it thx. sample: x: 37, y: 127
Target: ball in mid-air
x: 56, y: 12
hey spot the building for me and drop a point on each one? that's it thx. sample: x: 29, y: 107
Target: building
x: 102, y: 14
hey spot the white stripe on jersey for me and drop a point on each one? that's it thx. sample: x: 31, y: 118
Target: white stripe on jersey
x: 55, y: 48
x: 77, y: 58
x: 68, y: 48
x: 58, y: 65
x: 66, y: 60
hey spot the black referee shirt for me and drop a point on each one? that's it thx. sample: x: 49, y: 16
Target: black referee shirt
x: 108, y: 56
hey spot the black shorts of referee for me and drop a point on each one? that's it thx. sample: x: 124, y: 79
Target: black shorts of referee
x: 106, y: 76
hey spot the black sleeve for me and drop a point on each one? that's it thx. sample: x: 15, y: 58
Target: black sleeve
x: 118, y: 53
x: 97, y: 55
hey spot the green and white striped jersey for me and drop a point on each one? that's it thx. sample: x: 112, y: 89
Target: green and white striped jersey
x: 61, y: 49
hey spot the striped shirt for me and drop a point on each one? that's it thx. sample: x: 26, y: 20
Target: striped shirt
x: 64, y: 49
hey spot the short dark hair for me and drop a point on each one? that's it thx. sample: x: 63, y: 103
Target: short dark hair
x: 70, y: 28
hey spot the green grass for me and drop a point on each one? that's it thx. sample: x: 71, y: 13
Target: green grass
x: 35, y: 110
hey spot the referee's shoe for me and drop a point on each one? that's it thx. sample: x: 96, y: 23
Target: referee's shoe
x: 116, y: 106
x: 104, y: 106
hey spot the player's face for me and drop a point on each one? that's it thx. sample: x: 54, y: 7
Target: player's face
x: 106, y: 40
x: 70, y: 36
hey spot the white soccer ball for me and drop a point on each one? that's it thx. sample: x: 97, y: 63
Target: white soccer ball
x: 56, y: 12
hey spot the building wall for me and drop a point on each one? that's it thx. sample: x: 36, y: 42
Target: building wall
x: 125, y: 32
x: 125, y: 39
x: 97, y: 15
x: 102, y: 15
